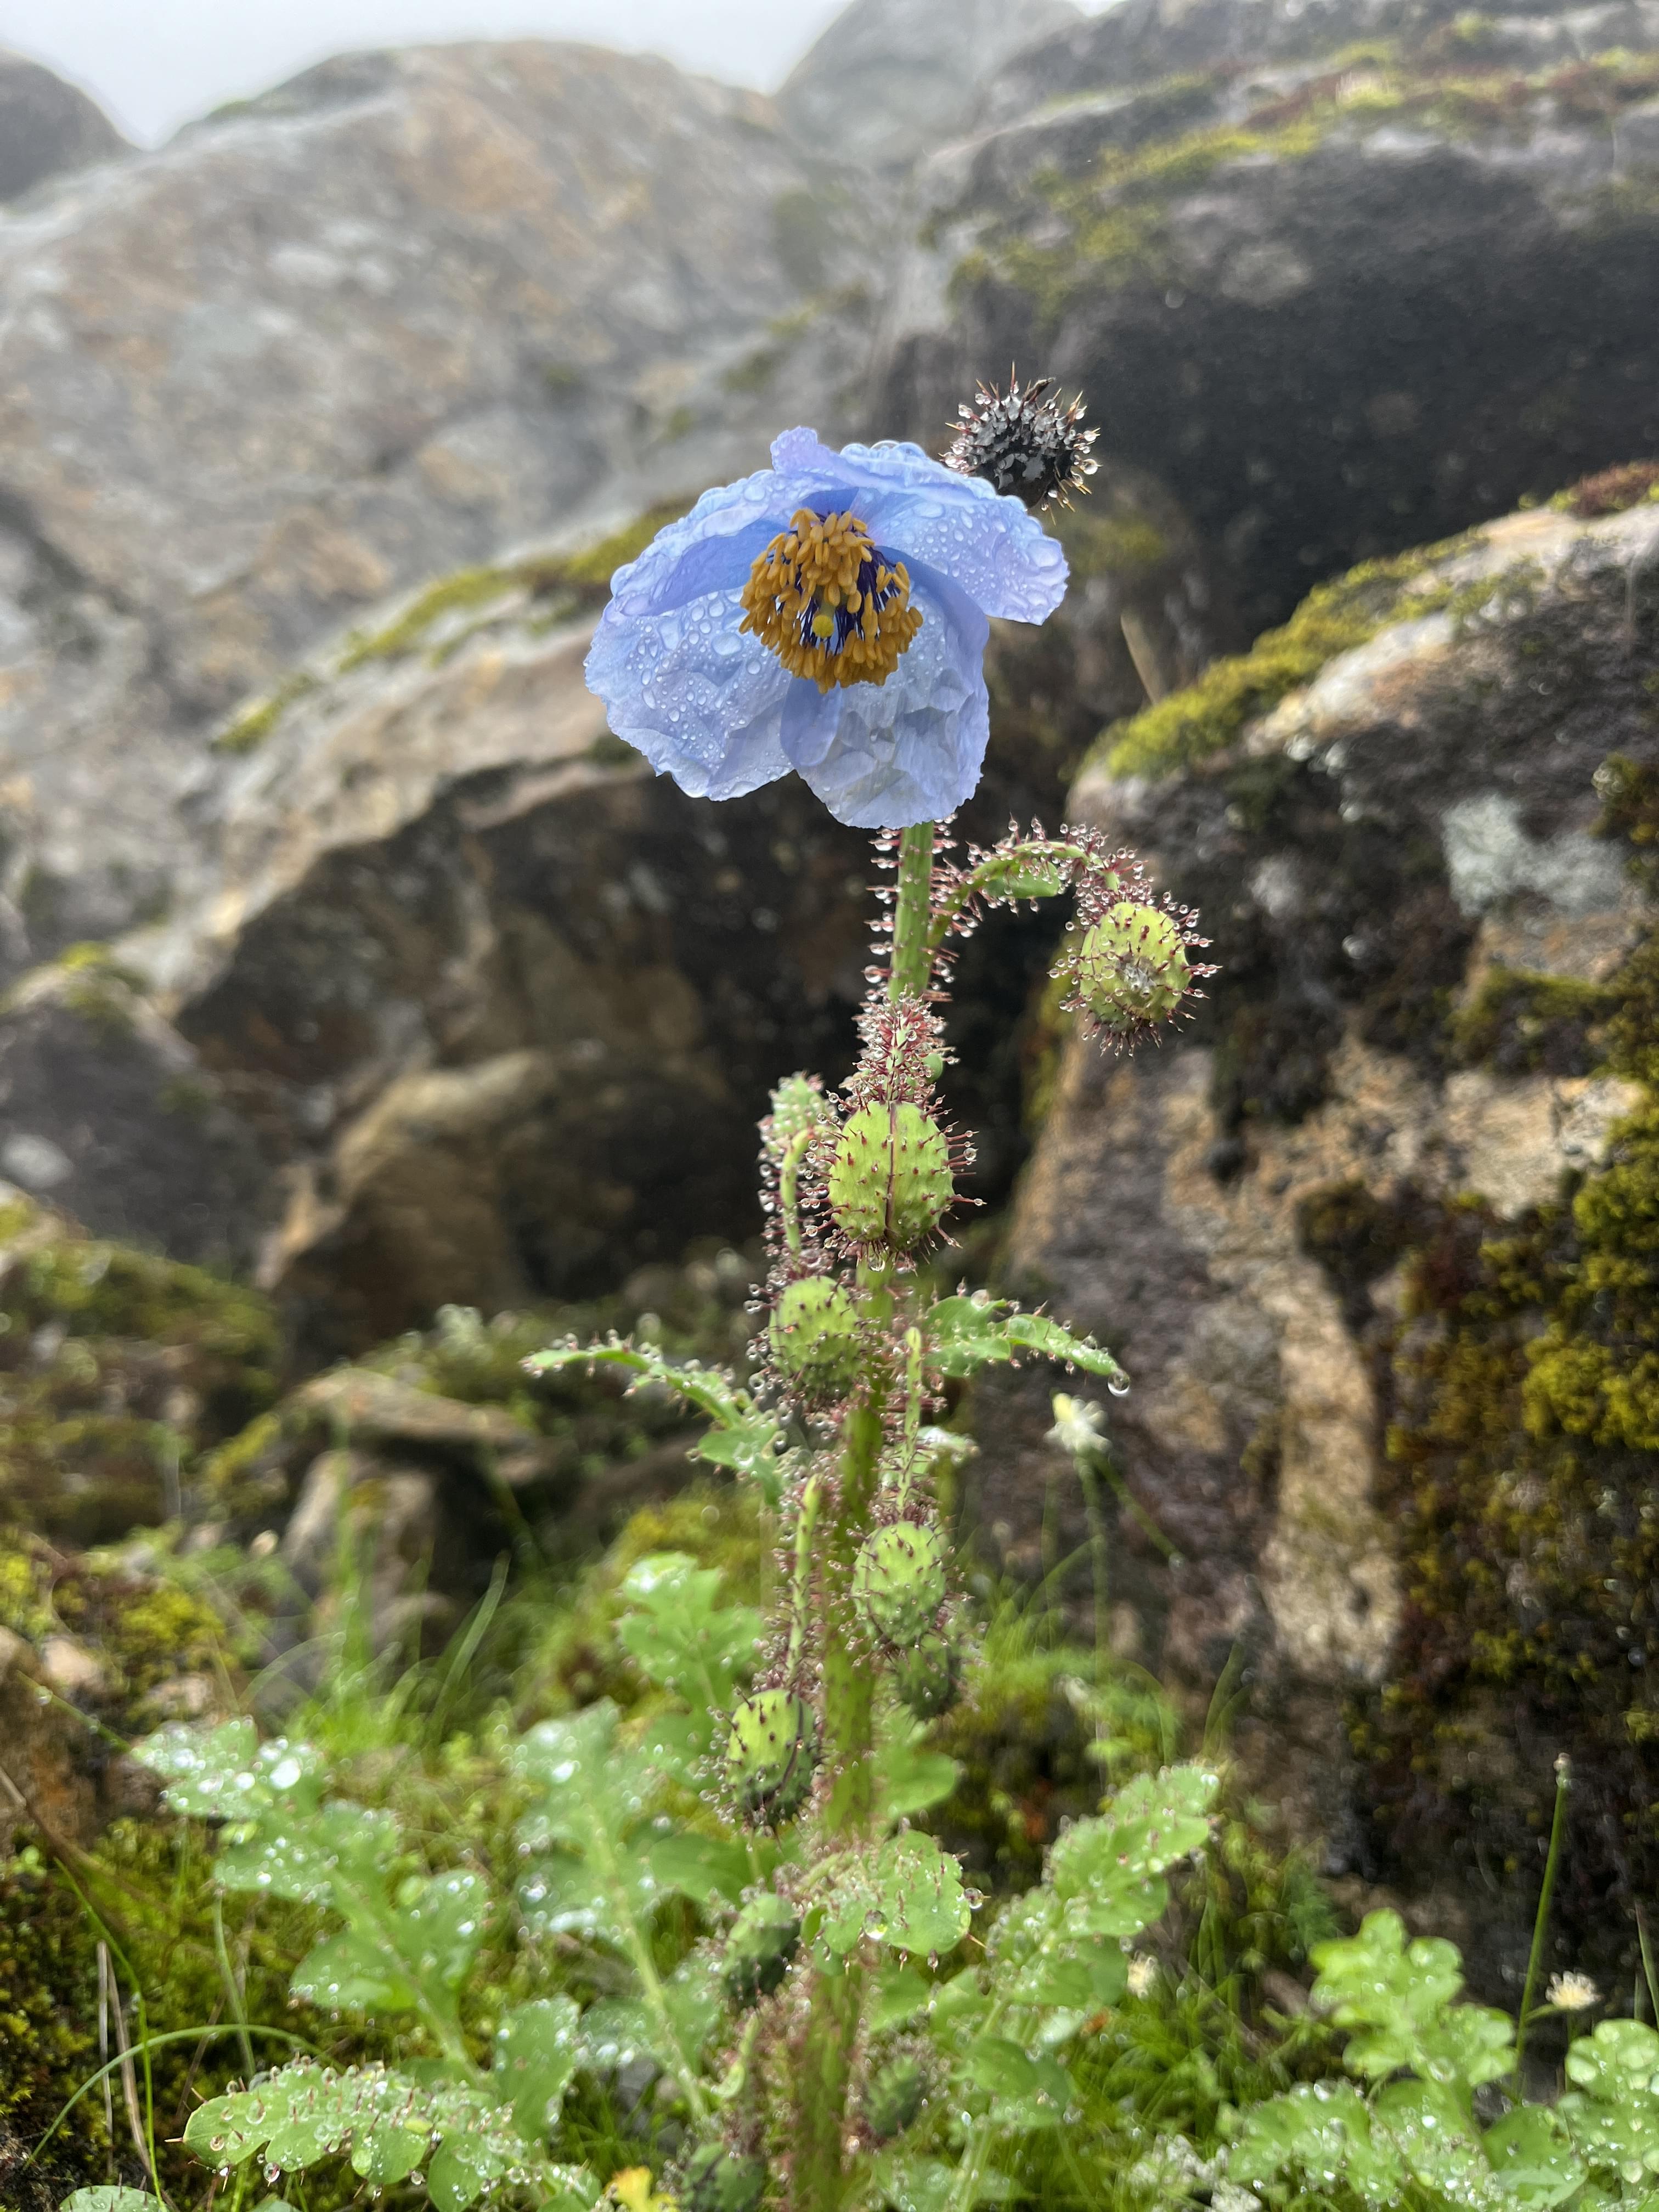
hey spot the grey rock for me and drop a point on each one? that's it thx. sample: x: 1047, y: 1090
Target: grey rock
x: 1417, y: 820
x: 106, y: 1109
x: 47, y: 127
x: 377, y: 324
x: 890, y: 78
x: 1345, y: 277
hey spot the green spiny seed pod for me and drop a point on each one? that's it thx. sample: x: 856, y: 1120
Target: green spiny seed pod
x: 893, y: 2096
x: 898, y: 1582
x: 770, y: 1755
x: 815, y: 1335
x: 720, y: 2180
x: 928, y: 1678
x: 1130, y: 970
x: 890, y: 1182
x: 763, y: 1939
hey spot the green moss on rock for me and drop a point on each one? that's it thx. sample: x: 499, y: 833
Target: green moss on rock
x: 118, y: 1369
x: 1523, y: 1459
x: 559, y: 586
x: 1191, y: 726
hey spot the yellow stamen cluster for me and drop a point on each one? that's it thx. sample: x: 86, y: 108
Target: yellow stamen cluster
x: 828, y: 604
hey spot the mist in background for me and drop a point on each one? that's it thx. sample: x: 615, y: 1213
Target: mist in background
x: 153, y: 66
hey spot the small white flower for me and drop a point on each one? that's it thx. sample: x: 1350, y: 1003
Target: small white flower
x: 1143, y: 1974
x: 1573, y: 1992
x: 1079, y: 1427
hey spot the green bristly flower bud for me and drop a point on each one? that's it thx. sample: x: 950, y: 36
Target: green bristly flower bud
x: 890, y: 1180
x: 770, y: 1755
x: 893, y: 2097
x: 928, y: 1678
x: 718, y: 2181
x: 1130, y: 970
x: 898, y: 1582
x: 815, y: 1336
x: 764, y: 1938
x: 798, y: 1104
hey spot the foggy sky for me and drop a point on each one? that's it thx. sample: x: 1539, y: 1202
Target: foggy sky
x: 154, y: 63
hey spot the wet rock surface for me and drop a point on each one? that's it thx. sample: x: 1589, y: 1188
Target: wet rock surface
x: 1431, y: 932
x: 385, y: 320
x: 47, y: 127
x: 1348, y: 278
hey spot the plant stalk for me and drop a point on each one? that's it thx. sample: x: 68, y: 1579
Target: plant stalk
x: 824, y: 2070
x: 1540, y: 1924
x: 912, y: 953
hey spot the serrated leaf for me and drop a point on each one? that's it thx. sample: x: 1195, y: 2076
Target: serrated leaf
x: 111, y: 2199
x: 537, y: 2049
x: 225, y: 1773
x: 304, y: 1858
x: 1320, y: 2129
x: 908, y: 1895
x: 585, y: 1790
x: 910, y: 1778
x: 1025, y: 2092
x: 1612, y: 2111
x: 1528, y: 2151
x: 910, y: 2184
x: 681, y: 1634
x: 353, y: 1973
x: 465, y: 2167
x: 390, y: 2154
x: 1398, y: 2001
x: 971, y: 1331
x: 1107, y: 1872
x: 900, y: 1995
x: 705, y: 1869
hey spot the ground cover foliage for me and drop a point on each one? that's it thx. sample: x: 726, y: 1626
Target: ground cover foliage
x: 432, y: 1944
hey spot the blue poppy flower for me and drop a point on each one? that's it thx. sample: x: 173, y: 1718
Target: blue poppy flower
x: 828, y: 615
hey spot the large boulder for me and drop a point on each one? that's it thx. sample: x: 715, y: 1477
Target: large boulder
x: 890, y: 79
x: 1371, y: 1235
x: 1347, y: 278
x: 374, y: 326
x: 47, y: 127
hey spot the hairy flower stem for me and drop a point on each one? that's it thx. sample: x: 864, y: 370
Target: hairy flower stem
x: 912, y: 955
x: 825, y: 2068
x: 825, y: 2073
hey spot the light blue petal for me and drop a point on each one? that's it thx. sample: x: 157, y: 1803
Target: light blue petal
x: 909, y: 749
x: 710, y: 550
x: 701, y: 701
x: 917, y: 508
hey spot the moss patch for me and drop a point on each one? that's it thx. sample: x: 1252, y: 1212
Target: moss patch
x: 559, y: 586
x: 1612, y: 491
x: 1190, y: 725
x: 119, y: 1369
x: 1523, y: 1459
x: 1114, y: 217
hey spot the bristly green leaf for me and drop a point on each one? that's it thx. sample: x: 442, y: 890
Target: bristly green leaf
x: 908, y: 1895
x: 968, y: 1332
x: 108, y: 2199
x: 1107, y: 1872
x: 377, y: 2117
x: 1612, y: 2109
x: 1398, y: 2001
x: 226, y: 1773
x: 927, y: 2184
x: 685, y: 1639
